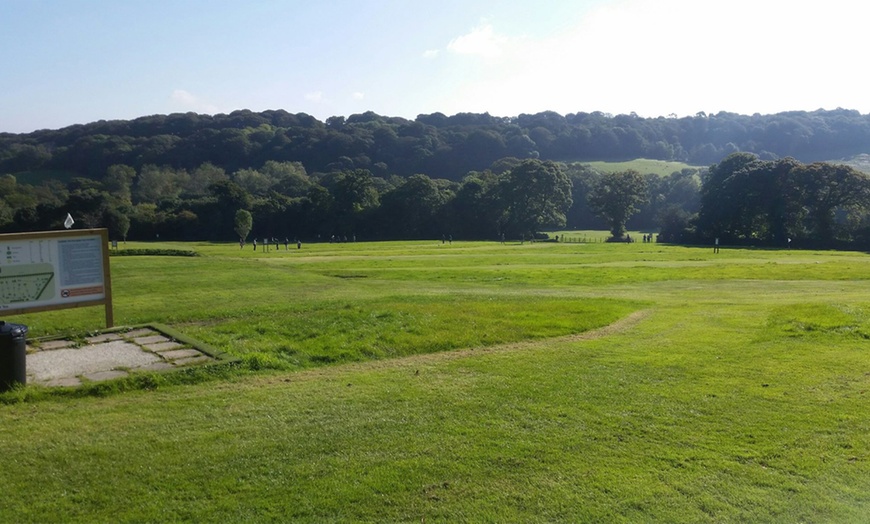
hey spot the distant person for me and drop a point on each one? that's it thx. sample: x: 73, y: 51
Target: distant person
x: 298, y: 244
x: 255, y: 244
x: 241, y: 243
x: 286, y: 244
x: 716, y: 245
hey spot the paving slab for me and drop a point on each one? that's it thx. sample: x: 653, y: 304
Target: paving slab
x: 107, y: 356
x: 153, y: 339
x: 202, y: 359
x: 100, y: 376
x: 139, y: 333
x: 160, y: 347
x: 157, y: 366
x: 180, y: 353
x: 55, y: 344
x: 72, y: 362
x: 66, y: 382
x: 103, y: 338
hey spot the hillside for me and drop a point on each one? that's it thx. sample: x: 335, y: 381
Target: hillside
x: 436, y: 145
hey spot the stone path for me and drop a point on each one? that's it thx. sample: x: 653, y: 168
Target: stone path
x: 108, y: 356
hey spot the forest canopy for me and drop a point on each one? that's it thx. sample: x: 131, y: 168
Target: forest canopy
x: 186, y: 176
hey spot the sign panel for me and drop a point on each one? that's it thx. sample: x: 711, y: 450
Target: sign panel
x: 54, y: 270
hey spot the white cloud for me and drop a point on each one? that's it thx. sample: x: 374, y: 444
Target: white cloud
x: 674, y: 56
x: 430, y: 54
x: 184, y: 100
x: 357, y: 95
x: 481, y: 41
x: 314, y: 96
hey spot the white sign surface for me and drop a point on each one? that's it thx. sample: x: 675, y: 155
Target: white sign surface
x: 49, y: 272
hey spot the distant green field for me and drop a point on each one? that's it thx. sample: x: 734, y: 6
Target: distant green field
x: 467, y: 382
x: 859, y: 162
x: 643, y: 166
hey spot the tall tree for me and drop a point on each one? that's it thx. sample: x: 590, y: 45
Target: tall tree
x: 750, y: 200
x: 117, y: 222
x: 829, y: 188
x: 534, y: 194
x: 475, y: 211
x: 289, y: 178
x: 243, y: 223
x: 412, y: 209
x: 723, y: 212
x: 617, y: 196
x: 118, y: 180
x: 159, y: 183
x: 202, y: 178
x: 354, y: 194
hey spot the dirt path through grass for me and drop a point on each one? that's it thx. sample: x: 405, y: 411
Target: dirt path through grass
x: 620, y: 326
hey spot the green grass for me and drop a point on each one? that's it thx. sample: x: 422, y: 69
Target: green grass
x: 411, y: 381
x: 642, y: 165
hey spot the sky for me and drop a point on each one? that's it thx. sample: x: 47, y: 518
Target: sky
x: 65, y: 62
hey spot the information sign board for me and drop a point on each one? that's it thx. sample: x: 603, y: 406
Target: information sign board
x: 49, y: 270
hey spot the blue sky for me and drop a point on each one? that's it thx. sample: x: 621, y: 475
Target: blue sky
x: 64, y: 62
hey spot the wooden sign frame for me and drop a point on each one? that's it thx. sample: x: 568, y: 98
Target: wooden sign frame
x: 67, y: 261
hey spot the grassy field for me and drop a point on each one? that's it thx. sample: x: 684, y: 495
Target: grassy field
x: 642, y: 165
x: 415, y: 381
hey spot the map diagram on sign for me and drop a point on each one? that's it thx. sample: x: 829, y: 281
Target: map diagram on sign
x: 26, y: 283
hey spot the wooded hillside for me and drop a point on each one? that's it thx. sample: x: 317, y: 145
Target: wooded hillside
x: 436, y: 145
x: 188, y: 176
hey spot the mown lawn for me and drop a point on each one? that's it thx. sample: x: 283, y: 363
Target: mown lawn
x: 412, y: 381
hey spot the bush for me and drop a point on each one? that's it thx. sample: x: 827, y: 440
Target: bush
x: 153, y: 252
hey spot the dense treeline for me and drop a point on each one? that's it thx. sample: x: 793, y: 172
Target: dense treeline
x: 187, y: 176
x: 745, y: 200
x: 513, y: 198
x: 436, y: 145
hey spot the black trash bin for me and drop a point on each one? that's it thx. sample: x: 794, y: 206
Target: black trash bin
x: 13, y: 355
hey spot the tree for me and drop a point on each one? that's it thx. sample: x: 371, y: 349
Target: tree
x: 779, y: 198
x: 252, y: 181
x: 354, y: 194
x: 750, y: 200
x: 117, y: 222
x: 723, y: 210
x: 535, y: 194
x: 289, y: 178
x: 202, y: 178
x: 218, y: 212
x: 828, y: 188
x: 243, y: 223
x: 88, y: 204
x: 475, y: 211
x: 583, y: 178
x: 411, y: 210
x: 118, y: 180
x: 617, y: 196
x: 159, y: 183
